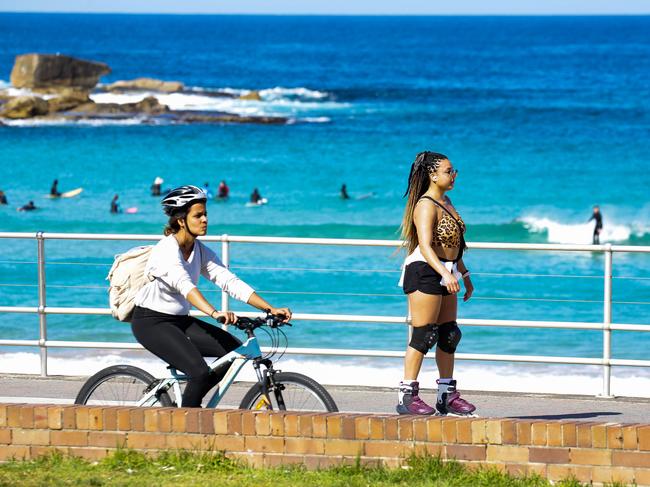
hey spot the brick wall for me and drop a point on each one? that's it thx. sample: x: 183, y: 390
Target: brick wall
x: 596, y: 452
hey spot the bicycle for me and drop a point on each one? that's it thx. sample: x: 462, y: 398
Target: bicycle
x: 274, y: 389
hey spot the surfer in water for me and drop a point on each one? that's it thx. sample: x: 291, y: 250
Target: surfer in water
x: 156, y: 186
x: 54, y: 190
x: 256, y: 197
x: 223, y: 190
x: 3, y: 198
x: 28, y: 207
x: 344, y: 192
x: 598, y: 216
x: 115, y: 206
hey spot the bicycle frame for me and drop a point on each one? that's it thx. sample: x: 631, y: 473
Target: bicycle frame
x: 249, y: 350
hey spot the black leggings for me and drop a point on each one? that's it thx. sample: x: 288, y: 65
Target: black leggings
x: 182, y: 342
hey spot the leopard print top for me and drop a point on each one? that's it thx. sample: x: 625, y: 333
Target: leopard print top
x: 446, y: 233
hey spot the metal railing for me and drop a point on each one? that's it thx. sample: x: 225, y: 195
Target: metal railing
x: 606, y: 326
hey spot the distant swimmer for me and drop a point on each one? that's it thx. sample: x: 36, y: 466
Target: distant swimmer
x: 344, y: 192
x: 206, y: 189
x: 155, y: 187
x: 3, y: 198
x: 28, y: 207
x: 223, y: 191
x: 115, y: 206
x: 256, y: 197
x: 598, y: 216
x: 54, y: 190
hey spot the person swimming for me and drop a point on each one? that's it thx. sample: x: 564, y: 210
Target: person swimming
x: 3, y: 198
x: 28, y: 207
x: 156, y: 186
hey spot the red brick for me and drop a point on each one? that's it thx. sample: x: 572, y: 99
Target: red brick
x: 524, y: 432
x: 348, y: 428
x: 583, y: 434
x: 151, y: 420
x: 405, y: 426
x: 262, y: 423
x: 136, y: 417
x: 362, y: 427
x: 81, y: 417
x: 538, y: 431
x: 305, y: 446
x: 590, y: 456
x: 27, y: 417
x: 95, y: 419
x: 449, y: 430
x: 165, y: 419
x: 631, y: 459
x: 434, y: 430
x: 291, y: 424
x: 391, y: 430
x: 184, y: 441
x: 614, y: 437
x: 70, y: 417
x: 319, y: 426
x: 3, y: 415
x: 386, y: 449
x: 40, y: 417
x: 13, y: 415
x: 5, y: 436
x: 277, y: 423
x: 464, y: 431
x: 305, y: 426
x: 20, y: 436
x: 124, y: 419
x: 466, y: 452
x: 630, y: 439
x: 336, y: 447
x: 569, y: 433
x: 643, y: 433
x: 419, y: 430
x: 377, y: 428
x: 110, y: 419
x: 15, y: 452
x: 109, y: 440
x: 69, y: 438
x: 264, y: 444
x: 145, y: 441
x: 55, y: 417
x: 206, y: 421
x: 234, y: 423
x: 554, y: 434
x: 508, y: 432
x: 548, y: 455
x: 192, y: 420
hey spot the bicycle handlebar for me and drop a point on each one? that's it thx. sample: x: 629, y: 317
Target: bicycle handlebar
x: 270, y: 320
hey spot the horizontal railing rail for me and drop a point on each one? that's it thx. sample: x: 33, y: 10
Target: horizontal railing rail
x: 606, y: 326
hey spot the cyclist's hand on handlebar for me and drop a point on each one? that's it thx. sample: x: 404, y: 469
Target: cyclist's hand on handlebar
x: 284, y: 312
x: 225, y: 317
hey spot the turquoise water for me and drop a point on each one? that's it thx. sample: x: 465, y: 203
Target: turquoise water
x: 543, y: 117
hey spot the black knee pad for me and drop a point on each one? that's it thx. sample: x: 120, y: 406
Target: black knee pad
x: 448, y: 336
x: 424, y: 338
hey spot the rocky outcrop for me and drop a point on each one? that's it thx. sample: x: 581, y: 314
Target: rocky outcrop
x: 54, y: 71
x: 67, y: 100
x: 149, y: 106
x: 24, y: 107
x: 145, y: 84
x: 251, y: 95
x: 200, y: 117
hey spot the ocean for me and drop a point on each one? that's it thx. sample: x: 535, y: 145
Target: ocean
x: 544, y: 117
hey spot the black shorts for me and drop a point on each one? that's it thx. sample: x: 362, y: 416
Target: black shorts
x: 420, y: 276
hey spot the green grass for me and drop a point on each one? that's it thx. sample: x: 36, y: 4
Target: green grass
x: 182, y: 468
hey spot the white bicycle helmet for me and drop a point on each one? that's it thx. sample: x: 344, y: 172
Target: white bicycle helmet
x: 181, y: 197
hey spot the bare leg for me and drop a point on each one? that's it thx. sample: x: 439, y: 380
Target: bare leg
x: 448, y: 312
x: 424, y: 310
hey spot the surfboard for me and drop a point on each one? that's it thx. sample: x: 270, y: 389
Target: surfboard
x: 261, y: 202
x: 133, y: 209
x: 67, y: 194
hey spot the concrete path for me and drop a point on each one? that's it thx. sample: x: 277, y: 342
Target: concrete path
x: 62, y: 390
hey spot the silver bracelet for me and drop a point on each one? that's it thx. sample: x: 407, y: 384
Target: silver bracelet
x: 466, y: 274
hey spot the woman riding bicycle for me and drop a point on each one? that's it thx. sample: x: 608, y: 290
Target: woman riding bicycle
x: 161, y: 321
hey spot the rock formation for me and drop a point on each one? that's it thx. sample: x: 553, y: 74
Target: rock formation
x: 54, y: 71
x: 24, y: 107
x: 146, y: 84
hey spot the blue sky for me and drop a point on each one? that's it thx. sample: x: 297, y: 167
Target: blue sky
x: 349, y: 7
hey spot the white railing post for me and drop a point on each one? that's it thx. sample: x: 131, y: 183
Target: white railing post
x: 42, y: 319
x: 225, y: 258
x: 607, y: 321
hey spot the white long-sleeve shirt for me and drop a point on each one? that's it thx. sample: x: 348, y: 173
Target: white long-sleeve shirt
x: 175, y: 277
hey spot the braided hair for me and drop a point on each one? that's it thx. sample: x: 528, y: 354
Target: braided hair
x: 418, y: 183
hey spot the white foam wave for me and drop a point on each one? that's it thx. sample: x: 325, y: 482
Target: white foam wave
x: 280, y: 92
x: 577, y: 233
x: 372, y: 372
x: 96, y: 122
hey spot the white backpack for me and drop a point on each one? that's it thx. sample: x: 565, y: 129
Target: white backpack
x: 126, y: 278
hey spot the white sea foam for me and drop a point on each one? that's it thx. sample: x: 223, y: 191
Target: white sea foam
x: 373, y: 372
x: 96, y: 122
x: 579, y: 233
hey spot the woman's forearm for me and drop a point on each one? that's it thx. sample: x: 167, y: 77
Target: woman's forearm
x: 196, y: 299
x: 258, y: 302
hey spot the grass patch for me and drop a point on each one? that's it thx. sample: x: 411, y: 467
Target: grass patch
x: 185, y: 468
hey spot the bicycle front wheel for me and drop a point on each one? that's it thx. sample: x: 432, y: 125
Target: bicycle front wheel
x: 119, y: 385
x: 292, y: 392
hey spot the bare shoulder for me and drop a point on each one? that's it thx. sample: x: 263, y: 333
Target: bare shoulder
x: 425, y: 209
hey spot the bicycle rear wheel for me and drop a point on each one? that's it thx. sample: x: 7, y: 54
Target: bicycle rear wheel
x: 293, y: 392
x: 119, y: 385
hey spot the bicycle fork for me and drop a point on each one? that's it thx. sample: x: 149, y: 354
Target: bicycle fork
x: 267, y: 382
